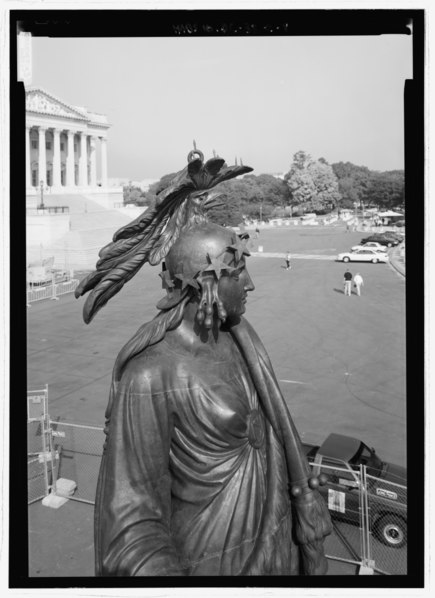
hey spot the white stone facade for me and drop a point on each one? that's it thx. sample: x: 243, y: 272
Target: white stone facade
x: 62, y: 145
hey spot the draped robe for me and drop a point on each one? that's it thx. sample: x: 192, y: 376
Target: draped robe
x: 194, y: 478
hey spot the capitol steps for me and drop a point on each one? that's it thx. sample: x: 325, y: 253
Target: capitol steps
x: 74, y: 202
x: 91, y: 227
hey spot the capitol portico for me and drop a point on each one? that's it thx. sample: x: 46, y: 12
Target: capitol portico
x: 66, y: 146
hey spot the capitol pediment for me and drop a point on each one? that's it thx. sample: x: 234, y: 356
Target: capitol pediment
x: 42, y: 103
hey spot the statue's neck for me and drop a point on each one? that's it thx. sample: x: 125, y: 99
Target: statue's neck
x: 195, y: 337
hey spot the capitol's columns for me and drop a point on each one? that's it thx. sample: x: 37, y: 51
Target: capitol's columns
x: 93, y: 157
x: 83, y: 161
x: 70, y: 180
x: 28, y: 169
x: 103, y: 161
x: 42, y: 160
x: 56, y: 158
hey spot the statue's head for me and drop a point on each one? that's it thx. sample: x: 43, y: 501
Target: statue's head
x: 162, y: 229
x: 208, y: 263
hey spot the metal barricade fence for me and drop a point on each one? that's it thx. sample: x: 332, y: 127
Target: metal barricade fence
x: 47, y: 210
x: 79, y: 258
x: 387, y: 503
x: 368, y: 512
x: 39, y: 455
x: 80, y: 448
x: 63, y: 459
x: 51, y: 291
x: 37, y: 475
x: 42, y: 461
x: 342, y: 497
x: 369, y: 519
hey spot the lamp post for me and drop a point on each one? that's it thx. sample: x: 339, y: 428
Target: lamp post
x: 129, y: 191
x: 41, y: 206
x: 261, y: 206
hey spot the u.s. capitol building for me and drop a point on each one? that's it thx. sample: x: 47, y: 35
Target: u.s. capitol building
x: 66, y: 146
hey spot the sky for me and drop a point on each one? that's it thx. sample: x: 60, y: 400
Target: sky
x: 261, y: 99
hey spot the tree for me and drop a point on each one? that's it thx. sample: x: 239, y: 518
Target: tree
x: 358, y: 184
x: 349, y: 193
x: 353, y: 183
x: 228, y: 214
x: 135, y: 195
x: 326, y: 195
x: 301, y: 160
x: 255, y: 196
x: 387, y: 189
x: 312, y: 184
x: 147, y: 199
x: 251, y: 196
x: 263, y: 195
x: 131, y: 194
x: 301, y: 187
x: 164, y: 182
x: 274, y: 190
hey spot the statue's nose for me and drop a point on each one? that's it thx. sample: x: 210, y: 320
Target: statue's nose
x: 249, y: 285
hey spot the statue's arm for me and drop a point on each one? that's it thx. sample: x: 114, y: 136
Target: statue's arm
x: 135, y: 495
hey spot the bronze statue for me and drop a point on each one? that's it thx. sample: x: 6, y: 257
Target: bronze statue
x: 203, y: 472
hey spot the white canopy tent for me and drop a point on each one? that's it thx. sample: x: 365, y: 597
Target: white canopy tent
x: 389, y: 214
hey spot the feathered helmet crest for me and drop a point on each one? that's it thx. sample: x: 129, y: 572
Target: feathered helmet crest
x: 149, y: 238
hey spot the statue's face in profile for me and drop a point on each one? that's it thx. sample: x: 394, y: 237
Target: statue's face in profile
x: 233, y: 291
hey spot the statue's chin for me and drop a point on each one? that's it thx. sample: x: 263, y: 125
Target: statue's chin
x: 231, y: 321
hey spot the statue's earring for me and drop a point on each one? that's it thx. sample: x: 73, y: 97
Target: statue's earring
x: 209, y: 298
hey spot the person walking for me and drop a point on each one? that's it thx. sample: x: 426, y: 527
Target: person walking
x: 288, y: 258
x: 348, y: 283
x: 359, y: 282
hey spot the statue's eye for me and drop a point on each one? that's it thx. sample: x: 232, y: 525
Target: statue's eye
x: 236, y: 274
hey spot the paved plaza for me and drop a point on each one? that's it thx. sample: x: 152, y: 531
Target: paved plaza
x: 340, y: 360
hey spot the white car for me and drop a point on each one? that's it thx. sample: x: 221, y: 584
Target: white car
x: 363, y: 255
x: 370, y: 245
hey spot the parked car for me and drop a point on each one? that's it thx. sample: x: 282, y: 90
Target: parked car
x: 370, y: 245
x: 382, y: 239
x: 394, y: 234
x: 363, y: 255
x: 339, y: 459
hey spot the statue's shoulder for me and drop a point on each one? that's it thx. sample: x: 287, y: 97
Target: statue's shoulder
x: 162, y: 365
x: 148, y: 366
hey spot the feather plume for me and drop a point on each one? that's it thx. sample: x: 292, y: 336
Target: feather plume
x: 149, y: 237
